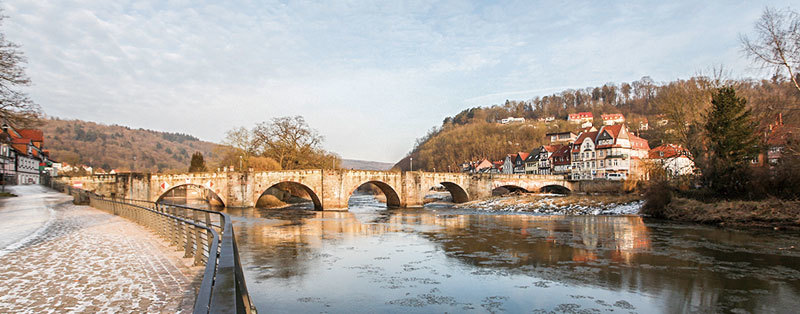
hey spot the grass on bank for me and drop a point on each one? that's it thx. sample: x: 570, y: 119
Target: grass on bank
x: 662, y: 202
x: 7, y: 194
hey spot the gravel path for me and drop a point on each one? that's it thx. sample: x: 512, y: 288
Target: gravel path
x: 85, y: 260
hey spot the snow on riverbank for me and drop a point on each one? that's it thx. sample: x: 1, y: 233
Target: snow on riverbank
x: 548, y: 204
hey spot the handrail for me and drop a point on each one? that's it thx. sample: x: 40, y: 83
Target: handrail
x: 223, y: 288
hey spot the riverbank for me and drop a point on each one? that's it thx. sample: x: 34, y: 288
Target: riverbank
x: 770, y: 213
x: 556, y: 204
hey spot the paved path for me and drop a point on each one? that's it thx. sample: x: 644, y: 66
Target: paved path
x: 80, y: 259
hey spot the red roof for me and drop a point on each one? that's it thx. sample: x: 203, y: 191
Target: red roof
x: 639, y: 143
x: 580, y: 115
x: 551, y: 148
x: 21, y: 141
x: 668, y: 151
x: 523, y: 155
x: 21, y: 148
x: 614, y: 131
x: 583, y: 136
x: 613, y: 116
x: 34, y: 135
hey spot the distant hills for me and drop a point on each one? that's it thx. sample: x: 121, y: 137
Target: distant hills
x: 114, y: 146
x: 365, y: 165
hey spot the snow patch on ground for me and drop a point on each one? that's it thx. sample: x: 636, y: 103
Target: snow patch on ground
x: 34, y: 197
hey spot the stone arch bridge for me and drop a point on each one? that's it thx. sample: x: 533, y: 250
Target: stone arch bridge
x: 328, y: 189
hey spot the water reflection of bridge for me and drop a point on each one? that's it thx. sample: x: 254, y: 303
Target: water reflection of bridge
x: 527, y: 237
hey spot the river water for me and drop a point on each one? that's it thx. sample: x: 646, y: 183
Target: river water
x: 437, y: 259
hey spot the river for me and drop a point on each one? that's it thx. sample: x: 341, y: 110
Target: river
x: 438, y: 259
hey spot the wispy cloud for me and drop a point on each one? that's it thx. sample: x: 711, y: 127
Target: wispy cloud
x: 370, y: 76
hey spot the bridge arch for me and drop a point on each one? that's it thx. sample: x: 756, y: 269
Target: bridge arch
x: 392, y: 197
x: 212, y: 196
x: 555, y: 188
x: 311, y: 194
x: 508, y: 188
x: 457, y: 193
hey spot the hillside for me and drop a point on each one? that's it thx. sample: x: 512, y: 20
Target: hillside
x: 114, y: 147
x: 453, y: 144
x: 475, y: 133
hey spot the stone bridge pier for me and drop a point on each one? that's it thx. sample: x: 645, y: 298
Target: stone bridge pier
x: 328, y: 189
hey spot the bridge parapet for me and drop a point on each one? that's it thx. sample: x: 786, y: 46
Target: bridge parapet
x: 329, y: 189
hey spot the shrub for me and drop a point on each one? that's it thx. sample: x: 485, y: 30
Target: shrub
x: 656, y: 198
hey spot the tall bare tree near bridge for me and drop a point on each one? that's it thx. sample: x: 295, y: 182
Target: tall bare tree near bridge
x: 292, y: 143
x: 15, y: 106
x: 286, y: 143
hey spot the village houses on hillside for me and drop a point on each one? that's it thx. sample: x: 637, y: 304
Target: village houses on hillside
x: 611, y: 153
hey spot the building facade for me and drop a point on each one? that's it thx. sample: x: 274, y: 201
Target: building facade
x: 611, y: 152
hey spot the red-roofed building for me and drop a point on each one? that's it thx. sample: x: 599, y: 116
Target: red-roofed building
x: 497, y: 166
x: 612, y: 119
x: 561, y: 160
x: 36, y: 136
x: 542, y: 159
x: 675, y: 159
x: 778, y: 137
x: 22, y: 157
x: 580, y: 117
x: 519, y: 162
x: 609, y: 153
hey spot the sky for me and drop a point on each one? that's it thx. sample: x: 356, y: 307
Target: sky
x: 370, y: 76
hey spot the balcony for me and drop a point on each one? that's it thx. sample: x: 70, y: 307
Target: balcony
x: 623, y: 156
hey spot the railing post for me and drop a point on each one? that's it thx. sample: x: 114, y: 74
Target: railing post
x: 174, y: 224
x: 209, y: 235
x: 198, y: 243
x: 162, y: 222
x: 187, y: 246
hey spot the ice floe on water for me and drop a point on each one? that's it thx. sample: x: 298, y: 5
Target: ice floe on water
x: 553, y: 205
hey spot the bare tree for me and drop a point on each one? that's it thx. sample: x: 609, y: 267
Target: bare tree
x: 15, y: 106
x: 777, y: 42
x: 289, y: 141
x: 240, y: 145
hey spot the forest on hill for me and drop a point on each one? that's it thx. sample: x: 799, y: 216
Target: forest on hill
x: 476, y: 133
x: 122, y: 148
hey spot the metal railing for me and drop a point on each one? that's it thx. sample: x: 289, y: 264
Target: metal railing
x: 206, y: 236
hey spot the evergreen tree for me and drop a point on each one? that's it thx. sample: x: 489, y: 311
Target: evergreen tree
x: 197, y: 164
x: 732, y: 144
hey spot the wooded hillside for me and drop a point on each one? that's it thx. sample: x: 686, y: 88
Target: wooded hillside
x: 114, y: 147
x: 475, y: 133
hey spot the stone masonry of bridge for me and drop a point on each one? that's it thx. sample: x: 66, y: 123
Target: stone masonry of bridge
x: 329, y: 189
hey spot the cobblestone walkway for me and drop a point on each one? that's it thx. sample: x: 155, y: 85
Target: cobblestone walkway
x: 85, y: 260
